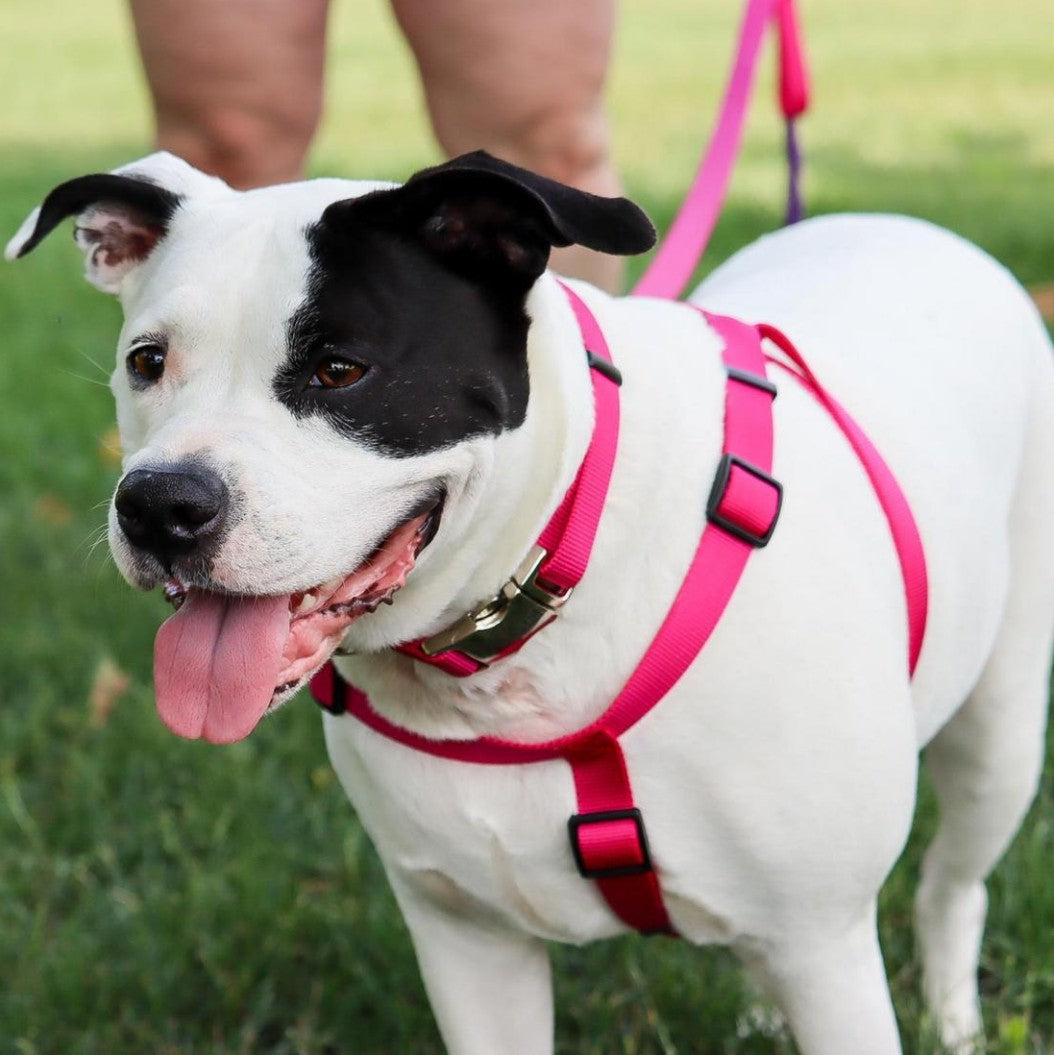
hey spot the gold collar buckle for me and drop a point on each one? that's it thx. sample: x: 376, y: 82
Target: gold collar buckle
x: 501, y: 625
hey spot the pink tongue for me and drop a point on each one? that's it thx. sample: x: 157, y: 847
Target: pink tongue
x: 216, y: 664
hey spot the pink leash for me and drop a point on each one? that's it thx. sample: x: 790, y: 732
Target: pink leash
x: 680, y: 251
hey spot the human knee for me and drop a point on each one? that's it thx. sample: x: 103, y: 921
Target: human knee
x: 571, y: 146
x: 247, y: 147
x: 573, y: 149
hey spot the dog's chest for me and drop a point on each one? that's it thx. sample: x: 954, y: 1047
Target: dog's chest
x: 487, y: 840
x: 512, y: 701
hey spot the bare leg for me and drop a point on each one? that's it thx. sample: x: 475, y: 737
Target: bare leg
x: 523, y: 79
x: 237, y: 84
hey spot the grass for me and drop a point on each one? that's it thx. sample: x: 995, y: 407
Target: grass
x: 168, y: 897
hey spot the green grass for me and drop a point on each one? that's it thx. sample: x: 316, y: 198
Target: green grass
x: 168, y: 897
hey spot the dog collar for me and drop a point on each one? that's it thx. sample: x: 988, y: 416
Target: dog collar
x: 533, y: 595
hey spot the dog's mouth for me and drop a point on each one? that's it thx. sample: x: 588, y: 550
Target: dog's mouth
x: 223, y: 660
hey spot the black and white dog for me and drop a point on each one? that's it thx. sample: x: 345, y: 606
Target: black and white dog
x: 332, y: 394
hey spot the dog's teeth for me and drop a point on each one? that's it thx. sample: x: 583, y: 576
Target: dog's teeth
x: 307, y: 602
x: 330, y: 587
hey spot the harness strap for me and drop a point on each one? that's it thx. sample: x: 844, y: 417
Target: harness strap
x: 607, y: 833
x: 568, y: 537
x: 902, y: 524
x: 608, y: 836
x: 608, y: 839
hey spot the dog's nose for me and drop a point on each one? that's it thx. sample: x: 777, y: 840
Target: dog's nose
x: 171, y: 512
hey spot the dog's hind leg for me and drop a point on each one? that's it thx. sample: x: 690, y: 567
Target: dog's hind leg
x: 985, y: 763
x: 985, y: 767
x: 832, y: 988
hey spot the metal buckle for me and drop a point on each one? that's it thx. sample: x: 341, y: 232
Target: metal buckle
x: 522, y: 608
x: 580, y: 820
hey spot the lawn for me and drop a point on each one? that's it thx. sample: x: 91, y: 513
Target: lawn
x: 170, y: 897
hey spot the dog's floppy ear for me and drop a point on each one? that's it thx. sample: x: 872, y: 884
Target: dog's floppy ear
x: 121, y: 215
x: 487, y: 217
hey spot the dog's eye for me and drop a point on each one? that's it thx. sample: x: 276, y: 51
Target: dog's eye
x: 147, y: 362
x: 336, y: 373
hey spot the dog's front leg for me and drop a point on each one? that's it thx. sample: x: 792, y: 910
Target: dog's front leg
x: 832, y: 987
x: 489, y: 986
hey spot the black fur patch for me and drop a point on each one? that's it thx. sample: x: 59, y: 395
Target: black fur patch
x: 564, y: 215
x: 424, y: 285
x: 445, y: 355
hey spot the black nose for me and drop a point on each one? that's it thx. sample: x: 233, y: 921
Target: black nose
x: 171, y: 512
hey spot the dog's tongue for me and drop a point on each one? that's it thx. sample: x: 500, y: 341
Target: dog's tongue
x: 216, y: 663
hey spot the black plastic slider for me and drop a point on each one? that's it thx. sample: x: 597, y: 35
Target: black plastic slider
x: 605, y: 367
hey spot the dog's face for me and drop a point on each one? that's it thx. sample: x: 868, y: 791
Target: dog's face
x: 311, y: 382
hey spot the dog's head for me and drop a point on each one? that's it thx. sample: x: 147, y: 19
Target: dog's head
x: 311, y: 383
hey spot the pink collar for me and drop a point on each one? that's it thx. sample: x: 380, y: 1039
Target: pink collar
x: 534, y: 594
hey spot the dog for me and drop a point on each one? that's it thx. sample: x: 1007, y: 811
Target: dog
x: 347, y: 411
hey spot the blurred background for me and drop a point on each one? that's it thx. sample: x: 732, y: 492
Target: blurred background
x: 170, y: 897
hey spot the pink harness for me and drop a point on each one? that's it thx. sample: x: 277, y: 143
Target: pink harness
x: 608, y: 838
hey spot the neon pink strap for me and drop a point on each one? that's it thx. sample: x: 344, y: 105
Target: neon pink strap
x: 895, y: 506
x: 681, y: 250
x: 793, y: 75
x: 459, y: 664
x: 568, y: 537
x: 720, y: 557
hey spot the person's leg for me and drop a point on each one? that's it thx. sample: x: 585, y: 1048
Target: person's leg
x: 523, y: 79
x: 237, y: 84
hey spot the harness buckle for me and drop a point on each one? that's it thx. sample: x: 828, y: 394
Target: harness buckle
x: 605, y: 367
x: 501, y: 625
x: 751, y: 513
x: 609, y: 843
x: 758, y: 381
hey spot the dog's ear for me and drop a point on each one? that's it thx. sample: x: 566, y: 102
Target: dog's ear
x: 121, y: 215
x: 492, y: 219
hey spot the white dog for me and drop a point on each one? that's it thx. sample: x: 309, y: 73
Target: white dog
x: 332, y: 391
